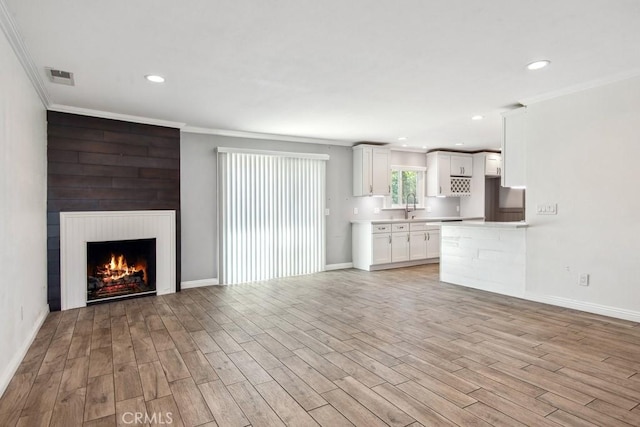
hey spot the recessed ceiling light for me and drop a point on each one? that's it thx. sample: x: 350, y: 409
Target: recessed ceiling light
x: 538, y: 64
x: 477, y: 117
x: 402, y: 138
x: 459, y: 143
x: 424, y: 147
x: 154, y: 78
x: 404, y: 145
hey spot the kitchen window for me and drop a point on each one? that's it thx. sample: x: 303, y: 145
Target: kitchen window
x: 406, y: 181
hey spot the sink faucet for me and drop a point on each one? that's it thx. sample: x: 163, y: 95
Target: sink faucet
x: 406, y: 209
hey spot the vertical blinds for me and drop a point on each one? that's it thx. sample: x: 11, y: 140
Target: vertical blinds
x: 271, y: 215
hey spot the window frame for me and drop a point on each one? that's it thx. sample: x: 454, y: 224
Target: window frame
x: 420, y: 186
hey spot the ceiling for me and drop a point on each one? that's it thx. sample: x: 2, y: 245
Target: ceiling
x: 357, y: 70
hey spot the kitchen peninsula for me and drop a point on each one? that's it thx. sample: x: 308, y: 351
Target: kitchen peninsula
x: 484, y: 255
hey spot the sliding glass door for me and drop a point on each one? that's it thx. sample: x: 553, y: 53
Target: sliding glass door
x: 270, y: 214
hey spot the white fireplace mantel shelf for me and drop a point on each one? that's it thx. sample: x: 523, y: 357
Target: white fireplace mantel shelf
x: 78, y: 228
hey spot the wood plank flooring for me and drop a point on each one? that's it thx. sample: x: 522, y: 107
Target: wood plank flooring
x: 340, y: 348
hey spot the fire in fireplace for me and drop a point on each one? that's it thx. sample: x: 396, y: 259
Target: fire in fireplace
x: 119, y: 269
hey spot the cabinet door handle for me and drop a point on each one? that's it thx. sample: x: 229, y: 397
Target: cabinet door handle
x: 370, y: 188
x: 428, y: 236
x: 440, y: 190
x: 408, y: 237
x: 425, y: 237
x: 389, y: 239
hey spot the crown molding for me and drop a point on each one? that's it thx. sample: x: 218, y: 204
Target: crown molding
x: 408, y: 149
x: 580, y: 87
x: 10, y: 29
x: 266, y: 136
x: 114, y: 116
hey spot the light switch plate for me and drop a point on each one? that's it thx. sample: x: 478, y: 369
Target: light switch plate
x: 376, y: 210
x: 547, y: 209
x: 327, y: 212
x: 355, y: 211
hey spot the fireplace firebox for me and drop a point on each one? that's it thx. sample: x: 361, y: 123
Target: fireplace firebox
x: 120, y: 269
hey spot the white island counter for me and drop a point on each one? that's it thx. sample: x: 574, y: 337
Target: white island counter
x: 484, y: 255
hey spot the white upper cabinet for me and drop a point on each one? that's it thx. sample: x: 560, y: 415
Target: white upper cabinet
x: 514, y: 147
x: 461, y: 165
x: 493, y: 164
x: 448, y: 174
x: 371, y: 171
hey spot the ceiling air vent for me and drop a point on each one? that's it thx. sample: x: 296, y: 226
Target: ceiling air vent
x: 60, y: 77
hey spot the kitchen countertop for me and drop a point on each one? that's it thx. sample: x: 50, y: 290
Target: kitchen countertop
x: 445, y: 219
x: 488, y: 224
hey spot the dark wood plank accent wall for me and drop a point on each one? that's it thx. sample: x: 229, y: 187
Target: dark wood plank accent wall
x: 492, y: 209
x: 99, y: 164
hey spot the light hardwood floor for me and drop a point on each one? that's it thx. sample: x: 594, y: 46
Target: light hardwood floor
x: 340, y: 348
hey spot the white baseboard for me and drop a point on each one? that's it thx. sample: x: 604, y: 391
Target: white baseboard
x: 343, y: 266
x: 605, y: 310
x: 13, y: 366
x: 199, y: 283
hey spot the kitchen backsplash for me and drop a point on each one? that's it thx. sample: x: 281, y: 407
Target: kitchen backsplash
x: 439, y: 207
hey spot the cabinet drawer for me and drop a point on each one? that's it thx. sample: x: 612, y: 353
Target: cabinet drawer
x: 380, y: 228
x: 418, y: 226
x: 404, y: 226
x: 433, y: 227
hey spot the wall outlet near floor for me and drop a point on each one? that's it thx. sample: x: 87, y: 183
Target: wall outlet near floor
x: 327, y: 212
x: 355, y: 211
x: 584, y: 279
x: 376, y: 210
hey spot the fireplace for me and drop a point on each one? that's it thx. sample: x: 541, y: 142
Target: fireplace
x: 121, y: 268
x: 78, y: 228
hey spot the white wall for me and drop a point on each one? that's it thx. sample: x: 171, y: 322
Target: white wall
x: 23, y: 239
x: 583, y: 152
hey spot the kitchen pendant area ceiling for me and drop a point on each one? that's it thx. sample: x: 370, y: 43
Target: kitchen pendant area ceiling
x: 345, y: 71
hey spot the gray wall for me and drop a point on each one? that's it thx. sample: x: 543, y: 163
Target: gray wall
x: 198, y: 198
x: 198, y: 178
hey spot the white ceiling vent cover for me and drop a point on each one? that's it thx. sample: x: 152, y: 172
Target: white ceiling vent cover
x: 60, y: 77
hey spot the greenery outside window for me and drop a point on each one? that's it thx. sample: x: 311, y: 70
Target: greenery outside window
x: 406, y: 181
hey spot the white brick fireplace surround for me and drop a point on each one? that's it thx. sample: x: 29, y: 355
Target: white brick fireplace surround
x: 78, y: 228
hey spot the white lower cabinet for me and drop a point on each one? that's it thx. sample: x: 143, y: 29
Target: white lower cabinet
x: 400, y: 247
x: 381, y: 248
x: 402, y: 243
x: 418, y: 247
x: 433, y: 243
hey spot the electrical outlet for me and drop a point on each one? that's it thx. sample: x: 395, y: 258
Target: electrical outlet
x: 457, y: 208
x: 584, y: 279
x: 327, y: 212
x: 376, y: 210
x: 355, y: 211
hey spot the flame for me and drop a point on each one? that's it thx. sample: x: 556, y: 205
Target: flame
x: 117, y: 268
